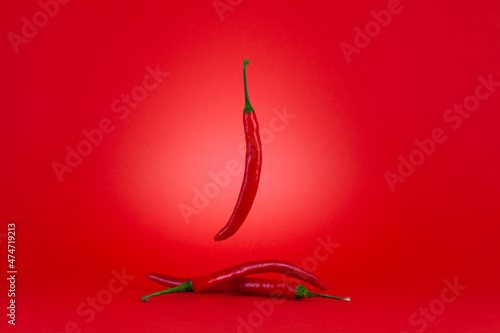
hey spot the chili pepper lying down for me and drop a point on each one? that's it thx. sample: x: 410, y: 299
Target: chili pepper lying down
x: 201, y: 284
x: 248, y: 286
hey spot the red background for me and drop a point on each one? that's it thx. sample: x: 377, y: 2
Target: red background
x: 322, y: 175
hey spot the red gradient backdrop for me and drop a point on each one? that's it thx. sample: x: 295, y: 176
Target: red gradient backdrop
x: 333, y: 125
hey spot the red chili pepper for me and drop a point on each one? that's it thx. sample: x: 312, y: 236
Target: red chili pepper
x: 255, y: 267
x: 253, y: 165
x: 248, y: 286
x: 201, y: 284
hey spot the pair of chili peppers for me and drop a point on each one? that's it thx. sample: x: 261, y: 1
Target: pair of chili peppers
x: 234, y: 280
x: 253, y: 165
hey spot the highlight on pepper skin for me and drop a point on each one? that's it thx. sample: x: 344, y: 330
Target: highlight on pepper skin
x: 234, y: 279
x: 253, y: 166
x: 201, y: 284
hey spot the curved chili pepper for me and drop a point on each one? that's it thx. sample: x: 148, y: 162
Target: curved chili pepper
x: 255, y: 267
x: 203, y: 283
x: 248, y: 286
x: 253, y: 165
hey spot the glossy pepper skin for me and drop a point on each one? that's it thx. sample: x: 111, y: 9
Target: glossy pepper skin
x: 247, y: 286
x: 253, y: 166
x: 254, y: 267
x: 201, y: 284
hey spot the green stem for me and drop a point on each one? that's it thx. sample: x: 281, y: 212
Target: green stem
x: 302, y: 292
x: 185, y: 287
x: 248, y: 107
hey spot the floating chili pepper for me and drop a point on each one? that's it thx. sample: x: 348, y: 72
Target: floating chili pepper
x: 253, y: 164
x: 201, y: 284
x: 247, y: 286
